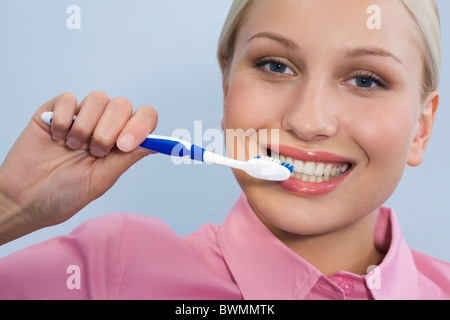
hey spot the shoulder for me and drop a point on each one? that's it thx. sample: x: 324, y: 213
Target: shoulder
x: 109, y: 225
x: 156, y: 263
x: 434, y: 276
x: 118, y: 229
x: 96, y: 249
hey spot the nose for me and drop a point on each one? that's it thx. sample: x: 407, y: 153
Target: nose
x: 313, y: 114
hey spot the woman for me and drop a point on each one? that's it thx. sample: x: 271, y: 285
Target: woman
x: 353, y: 103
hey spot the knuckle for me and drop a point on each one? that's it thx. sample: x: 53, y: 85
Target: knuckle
x: 150, y: 110
x: 67, y: 98
x: 122, y: 104
x: 98, y: 97
x: 155, y: 115
x: 149, y: 114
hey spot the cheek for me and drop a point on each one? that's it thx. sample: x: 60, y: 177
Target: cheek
x: 250, y: 104
x: 385, y: 136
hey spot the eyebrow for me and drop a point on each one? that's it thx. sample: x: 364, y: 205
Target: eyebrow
x: 360, y: 52
x: 289, y: 44
x: 352, y: 53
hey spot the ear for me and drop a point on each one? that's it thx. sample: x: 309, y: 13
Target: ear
x: 423, y: 130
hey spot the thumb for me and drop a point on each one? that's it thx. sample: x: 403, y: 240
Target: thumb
x: 140, y: 125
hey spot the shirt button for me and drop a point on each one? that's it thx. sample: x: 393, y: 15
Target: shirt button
x: 347, y: 286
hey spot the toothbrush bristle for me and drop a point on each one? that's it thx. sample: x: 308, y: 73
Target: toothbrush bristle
x: 268, y: 168
x: 284, y: 164
x: 289, y: 166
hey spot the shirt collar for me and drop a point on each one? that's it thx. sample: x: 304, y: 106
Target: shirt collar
x: 265, y: 268
x: 398, y: 274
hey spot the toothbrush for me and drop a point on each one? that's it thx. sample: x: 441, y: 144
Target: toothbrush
x: 265, y: 168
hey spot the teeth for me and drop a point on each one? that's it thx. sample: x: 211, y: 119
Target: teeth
x: 319, y: 170
x: 327, y: 171
x: 333, y: 172
x: 345, y: 168
x: 309, y: 168
x: 313, y: 171
x: 298, y: 165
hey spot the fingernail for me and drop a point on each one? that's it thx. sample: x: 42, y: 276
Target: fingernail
x: 98, y: 152
x: 126, y: 143
x: 57, y: 135
x: 73, y: 143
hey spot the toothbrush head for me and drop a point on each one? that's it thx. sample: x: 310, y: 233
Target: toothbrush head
x: 267, y: 168
x: 289, y: 166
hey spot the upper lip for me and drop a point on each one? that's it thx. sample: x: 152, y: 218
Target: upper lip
x: 309, y: 155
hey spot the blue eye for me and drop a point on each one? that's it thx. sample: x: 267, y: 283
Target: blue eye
x: 367, y: 81
x: 278, y: 68
x: 364, y: 82
x: 274, y: 67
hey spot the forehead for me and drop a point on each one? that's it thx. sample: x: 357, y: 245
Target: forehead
x: 325, y: 24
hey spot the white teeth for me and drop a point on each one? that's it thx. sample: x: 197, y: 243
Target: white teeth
x: 309, y: 168
x: 298, y: 166
x: 289, y: 160
x: 319, y: 169
x: 313, y: 171
x: 327, y: 171
x: 333, y: 172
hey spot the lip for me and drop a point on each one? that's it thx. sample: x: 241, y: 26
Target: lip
x: 313, y: 189
x: 313, y: 156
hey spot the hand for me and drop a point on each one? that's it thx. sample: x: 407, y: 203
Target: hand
x: 51, y: 173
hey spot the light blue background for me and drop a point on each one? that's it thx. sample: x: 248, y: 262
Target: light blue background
x: 163, y: 53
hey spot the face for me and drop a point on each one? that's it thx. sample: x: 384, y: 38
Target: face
x: 345, y: 99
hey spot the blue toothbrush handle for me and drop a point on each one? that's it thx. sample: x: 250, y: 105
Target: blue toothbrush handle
x: 162, y: 144
x: 173, y: 147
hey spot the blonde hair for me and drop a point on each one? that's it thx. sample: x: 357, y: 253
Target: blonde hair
x: 424, y: 13
x: 239, y: 10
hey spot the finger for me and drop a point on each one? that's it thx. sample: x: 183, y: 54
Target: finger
x: 137, y: 129
x: 113, y: 120
x: 90, y: 111
x: 64, y: 108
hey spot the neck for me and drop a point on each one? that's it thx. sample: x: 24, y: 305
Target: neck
x: 338, y: 249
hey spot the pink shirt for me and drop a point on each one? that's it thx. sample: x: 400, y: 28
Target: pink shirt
x: 123, y: 256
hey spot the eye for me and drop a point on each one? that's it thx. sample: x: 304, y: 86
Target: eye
x: 367, y: 81
x: 278, y: 68
x: 273, y: 67
x: 364, y: 82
